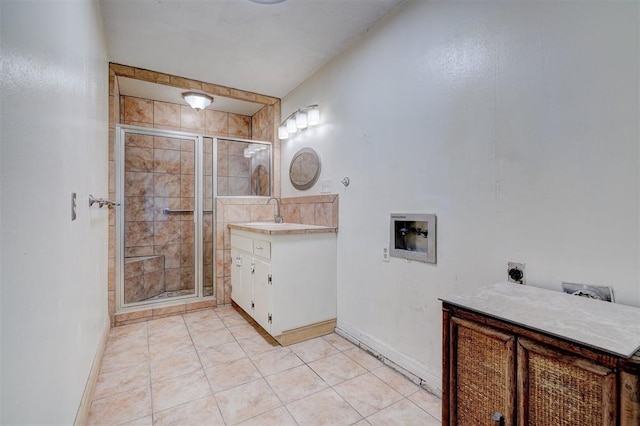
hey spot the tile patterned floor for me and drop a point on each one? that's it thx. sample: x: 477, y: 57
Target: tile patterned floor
x: 212, y: 367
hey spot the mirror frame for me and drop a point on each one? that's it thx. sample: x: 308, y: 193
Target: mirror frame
x: 314, y: 179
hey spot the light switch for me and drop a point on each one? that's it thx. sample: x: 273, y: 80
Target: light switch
x: 325, y: 186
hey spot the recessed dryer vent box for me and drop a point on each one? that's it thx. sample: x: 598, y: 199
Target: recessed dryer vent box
x: 413, y: 236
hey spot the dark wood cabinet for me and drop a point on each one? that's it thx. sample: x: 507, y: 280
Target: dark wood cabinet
x: 499, y: 373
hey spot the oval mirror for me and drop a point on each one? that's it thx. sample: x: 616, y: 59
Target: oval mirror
x: 304, y: 169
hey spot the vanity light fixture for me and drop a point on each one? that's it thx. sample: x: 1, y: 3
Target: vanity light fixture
x: 197, y: 101
x: 299, y: 120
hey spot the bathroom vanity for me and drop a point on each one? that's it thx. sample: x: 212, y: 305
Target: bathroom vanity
x: 284, y: 276
x: 520, y: 355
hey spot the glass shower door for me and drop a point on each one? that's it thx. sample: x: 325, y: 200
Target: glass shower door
x: 158, y: 228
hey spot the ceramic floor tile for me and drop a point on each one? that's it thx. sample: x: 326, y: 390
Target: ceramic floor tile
x: 227, y: 376
x: 123, y: 380
x: 167, y: 348
x: 202, y: 411
x: 121, y: 408
x: 396, y: 380
x: 362, y: 422
x: 204, y: 315
x: 337, y: 368
x: 323, y: 408
x: 206, y: 326
x: 401, y: 413
x: 124, y: 360
x: 245, y: 331
x: 226, y: 310
x: 428, y: 402
x: 367, y: 394
x: 136, y: 331
x: 176, y: 365
x: 275, y: 361
x: 126, y: 344
x: 164, y: 326
x: 314, y: 349
x: 363, y: 358
x: 208, y: 339
x: 144, y: 421
x: 234, y: 320
x: 258, y: 344
x: 178, y: 390
x: 338, y: 342
x: 175, y: 334
x: 280, y: 416
x: 296, y: 383
x: 246, y: 401
x: 221, y: 354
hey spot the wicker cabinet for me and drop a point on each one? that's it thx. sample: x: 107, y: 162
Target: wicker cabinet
x: 496, y: 372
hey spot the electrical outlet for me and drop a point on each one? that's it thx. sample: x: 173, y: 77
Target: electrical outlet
x: 385, y: 254
x: 325, y: 186
x: 515, y: 272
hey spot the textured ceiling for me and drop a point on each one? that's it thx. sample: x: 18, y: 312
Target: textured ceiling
x: 268, y: 49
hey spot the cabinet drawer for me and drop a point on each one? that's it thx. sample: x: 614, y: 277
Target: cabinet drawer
x: 242, y: 243
x: 262, y: 248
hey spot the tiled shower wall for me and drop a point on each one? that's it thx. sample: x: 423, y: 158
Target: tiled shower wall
x: 239, y: 175
x: 159, y: 174
x: 149, y: 113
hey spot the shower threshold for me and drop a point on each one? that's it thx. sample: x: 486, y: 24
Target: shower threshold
x: 169, y: 294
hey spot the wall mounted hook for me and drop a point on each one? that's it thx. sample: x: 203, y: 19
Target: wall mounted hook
x: 346, y: 181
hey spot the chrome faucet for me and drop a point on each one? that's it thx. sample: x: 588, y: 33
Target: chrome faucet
x: 278, y: 218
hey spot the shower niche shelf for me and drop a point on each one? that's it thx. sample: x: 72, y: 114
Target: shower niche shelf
x: 413, y: 237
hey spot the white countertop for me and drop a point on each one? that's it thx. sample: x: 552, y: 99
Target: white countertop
x: 602, y: 325
x: 272, y: 228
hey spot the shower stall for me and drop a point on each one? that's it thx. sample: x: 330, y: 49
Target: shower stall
x: 166, y: 183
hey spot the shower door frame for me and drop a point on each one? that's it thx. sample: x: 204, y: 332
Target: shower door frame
x: 119, y: 152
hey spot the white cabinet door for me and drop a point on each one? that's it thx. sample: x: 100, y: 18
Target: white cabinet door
x: 242, y: 279
x: 262, y: 294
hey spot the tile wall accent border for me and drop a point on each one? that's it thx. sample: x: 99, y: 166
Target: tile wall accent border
x: 161, y: 312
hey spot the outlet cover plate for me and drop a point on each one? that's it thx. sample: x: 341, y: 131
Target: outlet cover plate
x: 519, y: 266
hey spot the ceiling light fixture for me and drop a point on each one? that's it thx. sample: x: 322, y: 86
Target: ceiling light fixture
x: 197, y: 101
x: 299, y: 120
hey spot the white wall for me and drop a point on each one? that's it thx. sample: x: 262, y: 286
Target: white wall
x: 515, y: 122
x: 54, y: 130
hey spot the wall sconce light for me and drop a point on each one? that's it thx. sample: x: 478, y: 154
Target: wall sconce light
x: 299, y: 120
x: 197, y: 101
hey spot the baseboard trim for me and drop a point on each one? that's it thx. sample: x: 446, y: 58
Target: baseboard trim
x: 87, y: 396
x: 295, y: 335
x: 406, y: 366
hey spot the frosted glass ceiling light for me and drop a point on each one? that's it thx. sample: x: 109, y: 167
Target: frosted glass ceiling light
x: 197, y: 101
x: 291, y: 125
x: 313, y: 115
x: 301, y: 120
x: 283, y: 133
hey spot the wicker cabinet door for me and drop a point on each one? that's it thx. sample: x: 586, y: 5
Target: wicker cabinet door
x: 563, y: 390
x: 482, y: 374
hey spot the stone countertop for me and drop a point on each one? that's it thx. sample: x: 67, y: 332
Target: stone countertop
x: 610, y: 327
x: 271, y: 228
